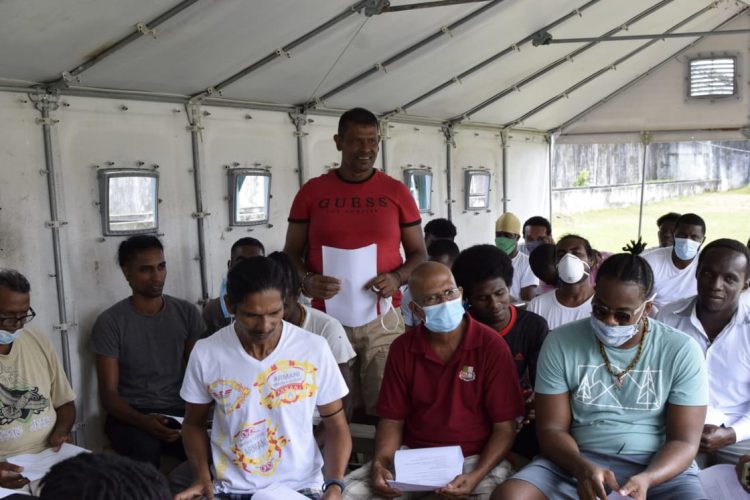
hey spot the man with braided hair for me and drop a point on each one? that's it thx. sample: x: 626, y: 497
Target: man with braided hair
x: 620, y: 400
x: 99, y: 476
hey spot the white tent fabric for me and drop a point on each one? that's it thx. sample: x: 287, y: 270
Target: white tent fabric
x: 211, y: 40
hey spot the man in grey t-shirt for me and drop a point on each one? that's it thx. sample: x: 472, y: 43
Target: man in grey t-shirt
x: 142, y: 344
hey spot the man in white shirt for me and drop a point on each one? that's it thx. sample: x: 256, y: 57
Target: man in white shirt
x: 720, y: 322
x: 507, y: 234
x: 674, y: 267
x: 571, y: 301
x: 270, y: 379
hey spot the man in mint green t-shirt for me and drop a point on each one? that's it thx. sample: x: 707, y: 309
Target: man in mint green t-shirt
x: 620, y: 400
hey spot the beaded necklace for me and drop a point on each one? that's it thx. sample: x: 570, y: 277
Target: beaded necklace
x: 619, y: 376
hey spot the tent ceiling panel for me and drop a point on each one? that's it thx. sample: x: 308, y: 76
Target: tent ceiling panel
x: 41, y: 39
x: 512, y: 69
x: 210, y: 42
x: 443, y: 59
x: 661, y: 96
x: 597, y: 59
x: 363, y: 41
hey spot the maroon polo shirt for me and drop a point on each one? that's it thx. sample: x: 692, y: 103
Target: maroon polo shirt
x: 451, y: 403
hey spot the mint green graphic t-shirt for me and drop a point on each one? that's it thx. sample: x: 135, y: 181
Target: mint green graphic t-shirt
x: 630, y: 419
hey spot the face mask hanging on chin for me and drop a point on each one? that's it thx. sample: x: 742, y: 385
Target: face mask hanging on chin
x: 7, y: 337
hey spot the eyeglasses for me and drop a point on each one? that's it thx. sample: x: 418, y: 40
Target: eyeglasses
x: 12, y: 321
x: 622, y: 317
x: 444, y: 296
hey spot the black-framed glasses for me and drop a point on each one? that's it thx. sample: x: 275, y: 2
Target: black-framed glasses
x: 622, y: 317
x: 12, y: 321
x: 444, y: 296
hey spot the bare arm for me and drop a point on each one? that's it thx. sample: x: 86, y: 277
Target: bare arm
x: 317, y: 286
x: 498, y: 445
x: 553, y: 419
x: 197, y: 449
x: 388, y: 438
x: 528, y: 292
x: 416, y: 253
x: 337, y: 441
x: 684, y: 427
x: 66, y: 417
x: 108, y: 374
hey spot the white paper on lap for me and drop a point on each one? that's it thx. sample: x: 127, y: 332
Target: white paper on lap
x: 353, y: 305
x: 36, y: 465
x: 5, y: 492
x: 276, y: 492
x: 426, y: 469
x: 720, y: 482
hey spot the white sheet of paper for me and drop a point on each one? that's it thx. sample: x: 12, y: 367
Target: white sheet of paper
x: 276, y: 491
x: 4, y: 492
x: 353, y: 305
x: 426, y: 469
x: 720, y: 482
x: 36, y: 465
x: 616, y: 496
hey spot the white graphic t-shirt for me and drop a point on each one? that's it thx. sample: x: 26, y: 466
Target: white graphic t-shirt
x: 262, y: 426
x: 628, y: 418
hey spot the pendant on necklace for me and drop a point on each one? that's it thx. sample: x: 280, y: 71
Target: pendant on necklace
x: 618, y: 381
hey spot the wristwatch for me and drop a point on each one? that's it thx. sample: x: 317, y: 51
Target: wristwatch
x: 329, y: 482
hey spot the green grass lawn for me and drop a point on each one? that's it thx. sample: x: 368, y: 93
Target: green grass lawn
x: 727, y: 215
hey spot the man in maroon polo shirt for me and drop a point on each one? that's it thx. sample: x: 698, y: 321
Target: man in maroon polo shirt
x: 449, y: 381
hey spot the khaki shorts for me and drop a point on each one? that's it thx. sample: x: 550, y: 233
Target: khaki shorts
x: 371, y: 342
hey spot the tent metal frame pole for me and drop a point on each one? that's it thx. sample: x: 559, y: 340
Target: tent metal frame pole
x: 44, y: 103
x: 383, y: 145
x: 504, y: 172
x: 514, y: 47
x: 426, y: 5
x: 299, y: 119
x: 638, y: 79
x: 517, y: 86
x: 283, y: 51
x: 657, y: 36
x: 195, y: 127
x: 550, y: 161
x: 141, y: 30
x: 605, y: 69
x: 400, y: 55
x: 645, y: 140
x: 450, y: 142
x: 657, y: 131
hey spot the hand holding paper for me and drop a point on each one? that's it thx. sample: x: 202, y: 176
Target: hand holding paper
x: 354, y: 305
x: 427, y: 469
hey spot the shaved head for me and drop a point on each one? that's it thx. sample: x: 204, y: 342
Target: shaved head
x: 430, y: 278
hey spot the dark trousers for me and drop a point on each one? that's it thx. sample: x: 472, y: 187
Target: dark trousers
x: 138, y: 444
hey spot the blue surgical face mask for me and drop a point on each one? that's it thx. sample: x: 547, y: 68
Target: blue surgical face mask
x: 444, y: 317
x: 615, y: 335
x: 530, y: 246
x: 222, y: 302
x: 7, y: 337
x: 685, y: 248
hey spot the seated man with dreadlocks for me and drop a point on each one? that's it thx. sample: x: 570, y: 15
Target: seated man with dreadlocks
x: 620, y: 400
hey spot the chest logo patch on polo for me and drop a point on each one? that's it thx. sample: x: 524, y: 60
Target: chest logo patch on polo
x: 467, y: 373
x: 286, y: 382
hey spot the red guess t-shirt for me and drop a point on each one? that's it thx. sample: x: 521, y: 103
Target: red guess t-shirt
x: 352, y: 215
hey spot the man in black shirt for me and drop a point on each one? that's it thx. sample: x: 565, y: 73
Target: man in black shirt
x: 486, y: 274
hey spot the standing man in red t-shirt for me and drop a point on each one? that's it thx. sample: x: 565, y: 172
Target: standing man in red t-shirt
x: 352, y: 207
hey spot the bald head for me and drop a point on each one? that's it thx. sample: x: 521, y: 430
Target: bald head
x: 430, y: 278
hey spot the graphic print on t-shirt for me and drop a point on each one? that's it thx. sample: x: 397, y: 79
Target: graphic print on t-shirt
x: 18, y: 399
x: 286, y: 382
x: 640, y: 388
x: 257, y: 448
x: 229, y: 394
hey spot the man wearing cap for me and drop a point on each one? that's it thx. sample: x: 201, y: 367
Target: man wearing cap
x: 507, y: 234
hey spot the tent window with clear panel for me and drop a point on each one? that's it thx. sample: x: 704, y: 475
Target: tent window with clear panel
x: 419, y: 182
x: 129, y: 201
x: 249, y: 196
x: 477, y: 189
x: 712, y: 77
